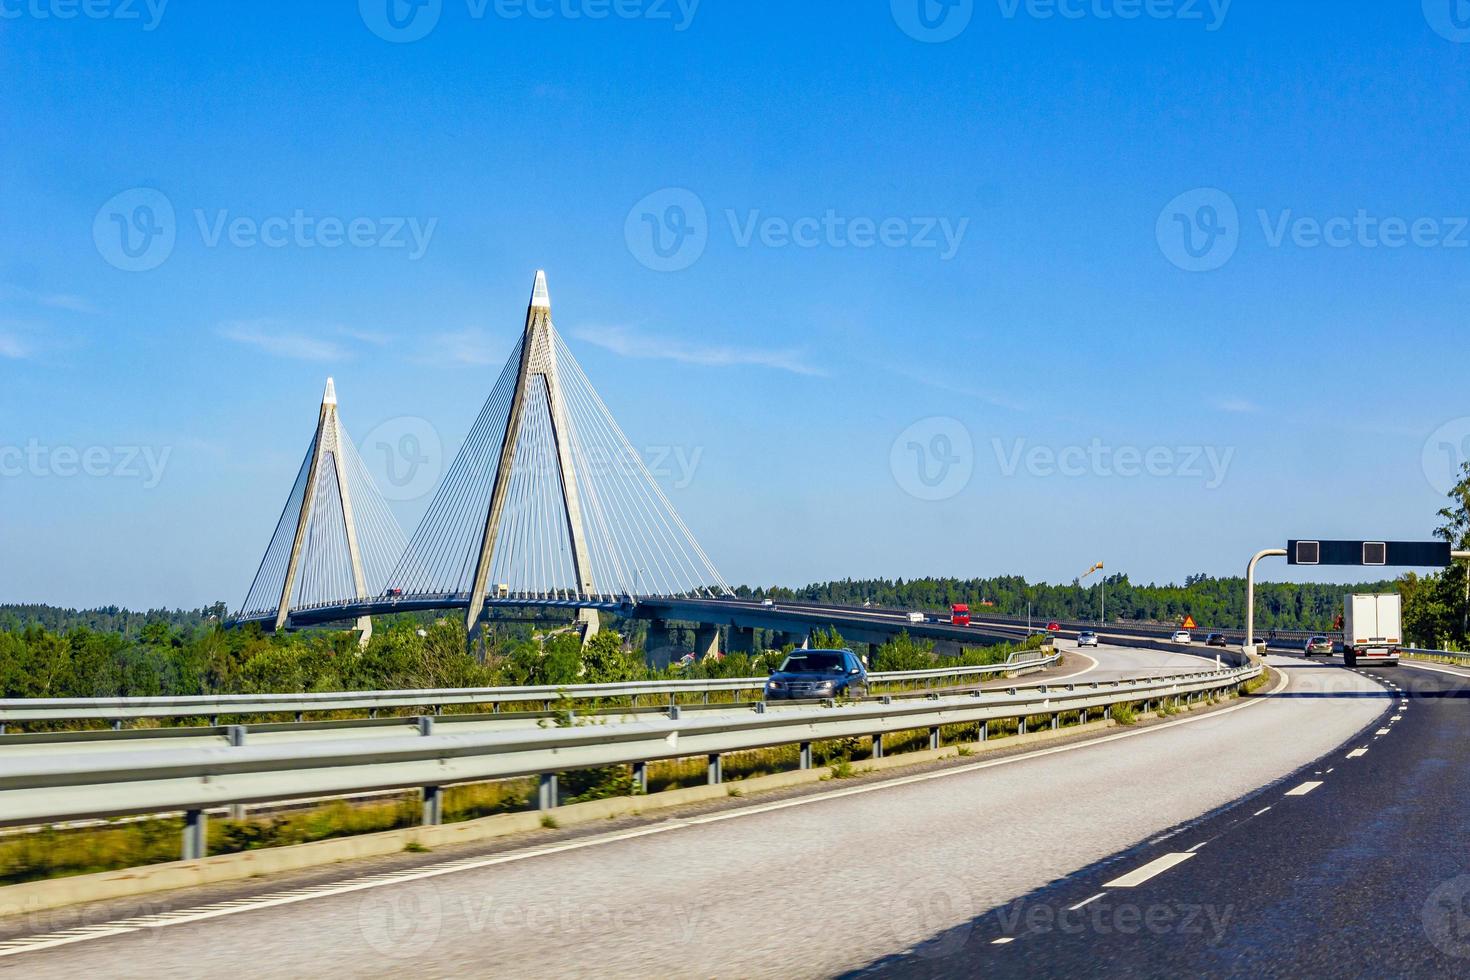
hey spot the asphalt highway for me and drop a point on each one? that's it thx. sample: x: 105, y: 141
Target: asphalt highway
x: 901, y: 874
x: 1355, y: 865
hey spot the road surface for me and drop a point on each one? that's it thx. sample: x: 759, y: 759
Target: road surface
x: 1357, y: 866
x: 822, y: 884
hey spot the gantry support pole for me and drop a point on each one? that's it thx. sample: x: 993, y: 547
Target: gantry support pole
x: 1250, y: 593
x: 328, y: 441
x: 537, y: 366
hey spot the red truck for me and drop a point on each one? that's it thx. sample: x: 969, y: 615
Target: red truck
x: 959, y: 614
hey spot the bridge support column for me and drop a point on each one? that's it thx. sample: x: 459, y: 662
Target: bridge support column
x: 706, y: 642
x: 640, y: 778
x: 196, y: 836
x: 742, y: 639
x: 433, y: 806
x: 589, y: 623
x: 784, y: 639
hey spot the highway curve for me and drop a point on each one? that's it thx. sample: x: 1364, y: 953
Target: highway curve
x: 1355, y: 866
x: 832, y: 882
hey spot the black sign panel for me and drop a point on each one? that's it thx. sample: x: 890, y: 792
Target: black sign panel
x: 1418, y: 554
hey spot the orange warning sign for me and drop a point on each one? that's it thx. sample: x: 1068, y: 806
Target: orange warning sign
x: 1189, y: 622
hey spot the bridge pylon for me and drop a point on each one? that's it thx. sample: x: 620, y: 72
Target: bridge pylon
x: 538, y: 388
x: 334, y: 537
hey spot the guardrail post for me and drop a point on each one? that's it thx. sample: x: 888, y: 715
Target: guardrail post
x: 196, y: 838
x: 716, y: 769
x: 1056, y: 721
x: 984, y: 734
x: 117, y: 724
x: 546, y: 795
x: 1021, y: 725
x: 425, y: 724
x: 934, y: 737
x: 878, y: 746
x: 806, y: 755
x: 640, y: 777
x: 433, y: 806
x: 673, y: 712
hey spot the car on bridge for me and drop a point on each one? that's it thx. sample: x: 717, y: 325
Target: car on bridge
x: 818, y: 674
x: 1087, y: 638
x: 1181, y: 637
x: 1318, y: 644
x: 1216, y: 640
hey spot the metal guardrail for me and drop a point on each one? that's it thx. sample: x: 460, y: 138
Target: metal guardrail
x: 117, y: 710
x: 82, y: 785
x: 1447, y: 654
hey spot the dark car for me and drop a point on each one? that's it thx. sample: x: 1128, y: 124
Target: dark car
x: 1216, y: 640
x: 818, y: 674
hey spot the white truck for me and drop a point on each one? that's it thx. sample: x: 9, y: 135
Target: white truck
x: 1372, y: 630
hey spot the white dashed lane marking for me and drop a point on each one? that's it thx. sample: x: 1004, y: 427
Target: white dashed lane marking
x: 1357, y: 753
x: 1304, y: 788
x: 1155, y: 867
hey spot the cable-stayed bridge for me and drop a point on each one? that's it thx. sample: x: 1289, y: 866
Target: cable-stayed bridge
x: 546, y: 504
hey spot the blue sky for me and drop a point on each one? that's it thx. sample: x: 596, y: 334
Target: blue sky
x: 868, y: 239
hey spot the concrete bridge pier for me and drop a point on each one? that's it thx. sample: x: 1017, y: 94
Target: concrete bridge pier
x: 706, y: 641
x: 588, y: 623
x: 741, y: 639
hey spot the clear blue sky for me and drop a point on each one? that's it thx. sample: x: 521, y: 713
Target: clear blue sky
x: 1062, y: 312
